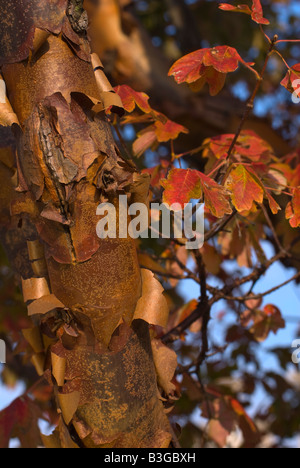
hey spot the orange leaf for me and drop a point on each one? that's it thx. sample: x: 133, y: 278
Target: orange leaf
x: 184, y: 185
x: 131, y: 98
x: 159, y: 132
x: 181, y: 186
x: 168, y: 131
x: 245, y: 189
x: 272, y: 203
x: 293, y: 209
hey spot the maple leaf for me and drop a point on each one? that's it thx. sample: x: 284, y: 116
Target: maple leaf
x: 292, y: 79
x: 263, y: 322
x: 293, y: 209
x: 168, y: 131
x: 183, y: 185
x: 159, y: 132
x: 245, y: 189
x: 249, y: 146
x: 207, y: 65
x: 256, y: 12
x: 131, y: 98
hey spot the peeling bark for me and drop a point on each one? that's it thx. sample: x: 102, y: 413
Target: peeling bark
x: 83, y: 292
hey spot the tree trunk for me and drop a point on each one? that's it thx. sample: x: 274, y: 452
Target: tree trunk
x: 86, y: 296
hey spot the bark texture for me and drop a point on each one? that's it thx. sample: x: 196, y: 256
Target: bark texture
x: 87, y: 297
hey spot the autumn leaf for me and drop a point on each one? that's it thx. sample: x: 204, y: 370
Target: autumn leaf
x: 20, y: 420
x: 263, y: 322
x: 249, y: 146
x: 146, y: 138
x: 244, y: 188
x: 256, y: 12
x: 183, y: 185
x: 168, y: 131
x: 159, y: 132
x: 131, y: 98
x: 225, y: 414
x: 292, y: 79
x: 238, y: 8
x: 274, y: 206
x: 293, y: 209
x: 157, y: 172
x: 206, y: 65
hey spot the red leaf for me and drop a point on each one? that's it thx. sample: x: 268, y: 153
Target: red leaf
x: 245, y: 189
x: 292, y: 80
x: 183, y: 185
x: 238, y: 8
x: 256, y: 12
x: 131, y: 98
x: 249, y: 146
x: 206, y: 65
x: 20, y: 420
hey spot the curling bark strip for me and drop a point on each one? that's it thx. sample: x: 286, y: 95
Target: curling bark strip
x: 82, y: 292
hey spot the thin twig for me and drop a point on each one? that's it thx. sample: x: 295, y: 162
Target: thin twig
x: 262, y: 295
x: 219, y: 227
x: 275, y: 236
x: 250, y: 103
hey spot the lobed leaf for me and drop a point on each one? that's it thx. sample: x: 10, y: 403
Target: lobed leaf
x: 207, y: 65
x: 183, y: 185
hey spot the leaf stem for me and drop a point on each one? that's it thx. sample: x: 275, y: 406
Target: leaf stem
x: 250, y: 103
